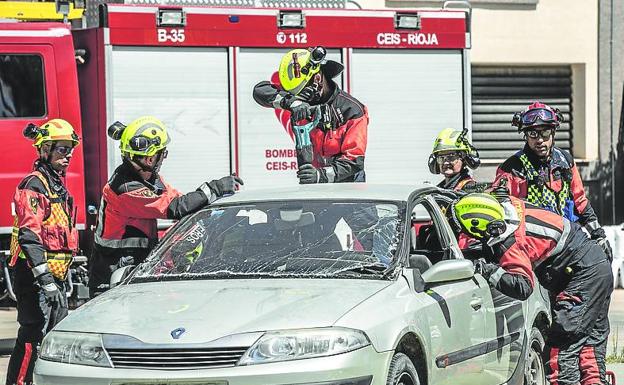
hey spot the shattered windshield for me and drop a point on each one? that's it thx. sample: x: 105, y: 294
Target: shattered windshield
x: 278, y: 239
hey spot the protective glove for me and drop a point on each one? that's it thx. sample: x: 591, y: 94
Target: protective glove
x: 600, y: 237
x: 484, y: 268
x: 308, y: 94
x: 225, y: 186
x: 53, y: 295
x: 308, y: 174
x: 126, y: 260
x: 300, y: 110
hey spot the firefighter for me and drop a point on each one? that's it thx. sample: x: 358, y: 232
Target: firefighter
x: 546, y: 175
x: 136, y: 196
x: 452, y: 155
x: 303, y: 90
x: 43, y: 243
x: 524, y: 239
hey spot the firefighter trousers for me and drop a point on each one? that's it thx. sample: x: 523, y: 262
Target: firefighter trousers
x: 577, y: 340
x: 36, y: 318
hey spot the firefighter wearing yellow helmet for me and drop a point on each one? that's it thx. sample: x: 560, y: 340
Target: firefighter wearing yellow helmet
x: 303, y: 94
x: 521, y: 242
x: 452, y: 156
x: 43, y: 242
x: 136, y: 196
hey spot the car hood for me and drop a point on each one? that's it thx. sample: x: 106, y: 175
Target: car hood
x: 211, y: 309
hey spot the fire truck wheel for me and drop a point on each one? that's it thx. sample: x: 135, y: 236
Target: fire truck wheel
x: 402, y: 371
x: 534, y: 373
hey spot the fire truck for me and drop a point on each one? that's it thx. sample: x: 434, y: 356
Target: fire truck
x: 193, y: 65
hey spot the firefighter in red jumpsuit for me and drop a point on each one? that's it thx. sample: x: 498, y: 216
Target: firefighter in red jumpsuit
x: 303, y: 82
x: 136, y: 196
x: 546, y: 175
x: 43, y: 243
x: 525, y: 239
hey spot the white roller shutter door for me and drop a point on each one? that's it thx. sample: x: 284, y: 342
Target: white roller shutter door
x: 186, y: 88
x: 263, y: 142
x: 411, y: 96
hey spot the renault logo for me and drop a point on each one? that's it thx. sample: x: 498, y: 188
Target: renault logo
x: 177, y: 333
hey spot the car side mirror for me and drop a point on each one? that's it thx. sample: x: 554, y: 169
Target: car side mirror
x: 448, y: 271
x: 120, y: 274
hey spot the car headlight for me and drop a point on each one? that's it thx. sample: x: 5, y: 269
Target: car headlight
x: 74, y: 348
x: 288, y: 345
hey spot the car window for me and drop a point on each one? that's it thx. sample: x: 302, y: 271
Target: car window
x: 425, y: 239
x: 296, y: 238
x: 22, y: 91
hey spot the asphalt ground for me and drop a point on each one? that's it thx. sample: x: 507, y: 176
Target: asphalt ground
x: 8, y: 331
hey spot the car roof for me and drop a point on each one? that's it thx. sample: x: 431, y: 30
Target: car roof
x: 348, y: 191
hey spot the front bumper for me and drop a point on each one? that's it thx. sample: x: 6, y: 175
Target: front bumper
x: 341, y: 369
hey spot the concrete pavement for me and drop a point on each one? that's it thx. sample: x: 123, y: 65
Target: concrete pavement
x: 8, y: 330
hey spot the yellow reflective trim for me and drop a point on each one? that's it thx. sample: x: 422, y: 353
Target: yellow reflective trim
x: 25, y: 11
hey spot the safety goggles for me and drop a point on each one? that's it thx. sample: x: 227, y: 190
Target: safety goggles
x: 64, y: 150
x: 448, y: 158
x: 544, y: 114
x: 545, y: 134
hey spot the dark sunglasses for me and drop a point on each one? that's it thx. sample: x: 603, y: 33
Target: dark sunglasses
x: 545, y: 134
x: 64, y: 150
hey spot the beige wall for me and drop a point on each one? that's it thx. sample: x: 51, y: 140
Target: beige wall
x: 551, y: 32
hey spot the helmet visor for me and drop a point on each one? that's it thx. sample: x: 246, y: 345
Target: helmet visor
x: 544, y: 114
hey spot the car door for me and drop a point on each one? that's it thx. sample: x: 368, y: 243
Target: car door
x: 457, y: 328
x: 504, y: 328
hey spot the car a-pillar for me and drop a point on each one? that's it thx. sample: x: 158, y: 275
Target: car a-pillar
x: 410, y: 346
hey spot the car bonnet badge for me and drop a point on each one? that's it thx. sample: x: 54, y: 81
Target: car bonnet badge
x: 177, y: 333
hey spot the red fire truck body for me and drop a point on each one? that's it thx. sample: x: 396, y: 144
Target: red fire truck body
x: 195, y: 68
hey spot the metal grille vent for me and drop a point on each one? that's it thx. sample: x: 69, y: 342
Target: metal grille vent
x: 498, y: 92
x: 176, y: 359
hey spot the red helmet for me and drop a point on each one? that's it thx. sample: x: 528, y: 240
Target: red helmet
x: 537, y: 114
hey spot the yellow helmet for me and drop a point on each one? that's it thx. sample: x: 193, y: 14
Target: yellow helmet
x: 297, y: 67
x: 144, y: 136
x: 54, y: 129
x: 478, y: 215
x: 450, y: 139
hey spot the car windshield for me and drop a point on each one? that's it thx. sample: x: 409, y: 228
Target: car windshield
x: 281, y: 239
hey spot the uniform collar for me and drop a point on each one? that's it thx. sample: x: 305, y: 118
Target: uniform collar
x: 554, y: 160
x: 455, y: 180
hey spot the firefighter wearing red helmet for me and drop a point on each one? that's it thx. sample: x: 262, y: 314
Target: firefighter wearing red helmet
x: 303, y: 91
x: 136, y: 196
x: 521, y: 239
x: 43, y: 243
x: 546, y: 175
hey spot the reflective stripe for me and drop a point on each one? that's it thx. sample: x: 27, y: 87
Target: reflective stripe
x: 25, y: 363
x: 543, y: 231
x: 208, y: 192
x: 593, y: 225
x: 496, y: 276
x: 331, y: 174
x: 562, y: 240
x: 40, y: 269
x: 121, y: 243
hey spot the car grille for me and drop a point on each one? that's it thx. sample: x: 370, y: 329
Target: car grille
x: 176, y: 359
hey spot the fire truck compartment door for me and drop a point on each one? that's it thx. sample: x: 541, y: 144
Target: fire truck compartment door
x: 266, y: 150
x: 411, y: 96
x: 186, y: 88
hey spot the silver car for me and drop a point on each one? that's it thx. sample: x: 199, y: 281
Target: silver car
x: 337, y: 284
